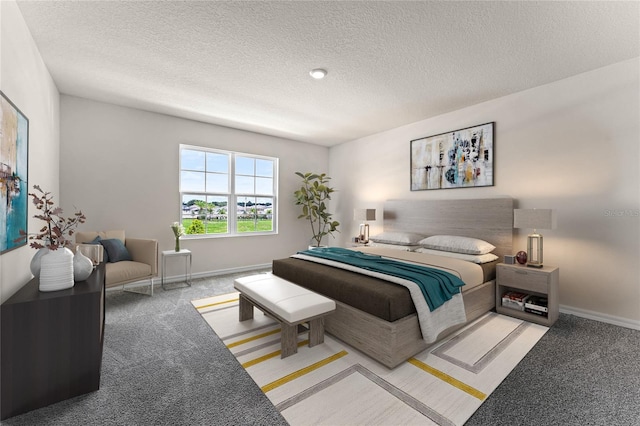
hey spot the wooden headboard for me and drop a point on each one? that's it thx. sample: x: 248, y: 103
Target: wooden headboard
x: 490, y: 219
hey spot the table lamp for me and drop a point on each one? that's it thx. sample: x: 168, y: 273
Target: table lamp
x: 536, y: 219
x: 363, y: 215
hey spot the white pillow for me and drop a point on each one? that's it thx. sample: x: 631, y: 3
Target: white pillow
x: 475, y: 258
x: 457, y: 244
x: 395, y: 246
x: 400, y: 238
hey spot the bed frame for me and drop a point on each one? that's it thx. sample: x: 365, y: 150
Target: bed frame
x: 392, y: 343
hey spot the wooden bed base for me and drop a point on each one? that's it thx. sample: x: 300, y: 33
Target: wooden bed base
x: 392, y: 343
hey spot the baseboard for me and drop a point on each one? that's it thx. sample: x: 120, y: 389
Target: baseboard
x: 598, y: 316
x: 217, y: 272
x: 180, y: 278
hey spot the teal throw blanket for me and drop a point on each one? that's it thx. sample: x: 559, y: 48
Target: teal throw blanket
x: 437, y: 286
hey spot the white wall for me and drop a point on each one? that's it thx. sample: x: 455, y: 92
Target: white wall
x: 573, y: 145
x: 120, y: 167
x: 26, y: 81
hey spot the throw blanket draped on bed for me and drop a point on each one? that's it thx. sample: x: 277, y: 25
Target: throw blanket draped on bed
x: 431, y: 322
x: 436, y: 286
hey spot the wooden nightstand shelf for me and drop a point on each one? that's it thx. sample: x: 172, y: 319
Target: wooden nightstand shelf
x: 534, y: 281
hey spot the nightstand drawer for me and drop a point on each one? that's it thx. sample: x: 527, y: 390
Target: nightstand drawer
x: 523, y: 279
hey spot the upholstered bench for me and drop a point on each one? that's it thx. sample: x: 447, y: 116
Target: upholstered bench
x: 287, y: 303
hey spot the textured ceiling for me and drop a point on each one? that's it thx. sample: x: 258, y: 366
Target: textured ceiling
x: 245, y: 64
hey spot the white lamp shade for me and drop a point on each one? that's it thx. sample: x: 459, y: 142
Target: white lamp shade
x: 364, y: 214
x: 534, y: 218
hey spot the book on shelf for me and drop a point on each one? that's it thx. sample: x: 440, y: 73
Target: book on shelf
x: 514, y: 300
x: 536, y: 312
x: 515, y: 295
x: 537, y: 303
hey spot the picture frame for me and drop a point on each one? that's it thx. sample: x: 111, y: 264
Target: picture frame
x: 14, y: 172
x: 461, y: 158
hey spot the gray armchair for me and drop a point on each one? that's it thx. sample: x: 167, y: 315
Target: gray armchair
x: 142, y: 266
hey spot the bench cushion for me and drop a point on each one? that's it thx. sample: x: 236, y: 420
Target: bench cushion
x: 285, y: 299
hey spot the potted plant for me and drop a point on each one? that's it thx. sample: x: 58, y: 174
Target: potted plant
x: 54, y: 262
x: 312, y: 196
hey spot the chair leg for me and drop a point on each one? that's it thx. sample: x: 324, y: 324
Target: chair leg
x: 146, y: 293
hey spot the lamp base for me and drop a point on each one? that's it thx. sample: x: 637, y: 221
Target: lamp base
x: 364, y: 233
x: 534, y: 250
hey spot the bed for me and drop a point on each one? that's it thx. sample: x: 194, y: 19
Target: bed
x: 378, y: 317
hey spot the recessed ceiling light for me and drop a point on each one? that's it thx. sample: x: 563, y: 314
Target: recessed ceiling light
x: 318, y: 73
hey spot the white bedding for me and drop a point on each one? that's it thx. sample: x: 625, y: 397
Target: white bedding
x: 431, y: 323
x: 469, y: 272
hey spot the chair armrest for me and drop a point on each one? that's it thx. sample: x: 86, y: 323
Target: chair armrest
x: 144, y: 251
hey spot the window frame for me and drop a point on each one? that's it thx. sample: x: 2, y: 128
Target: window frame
x: 232, y: 195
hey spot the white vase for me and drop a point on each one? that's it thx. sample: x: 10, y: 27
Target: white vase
x: 82, y: 266
x: 56, y: 270
x: 35, y: 261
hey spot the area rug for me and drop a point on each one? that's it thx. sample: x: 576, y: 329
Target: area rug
x: 335, y: 384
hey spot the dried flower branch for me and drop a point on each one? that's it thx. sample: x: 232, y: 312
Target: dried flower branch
x: 57, y: 230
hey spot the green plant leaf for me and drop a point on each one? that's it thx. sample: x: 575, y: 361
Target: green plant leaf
x: 311, y: 196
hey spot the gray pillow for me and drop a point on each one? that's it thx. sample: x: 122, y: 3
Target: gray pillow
x: 116, y: 250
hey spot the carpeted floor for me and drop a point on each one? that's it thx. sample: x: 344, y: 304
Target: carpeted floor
x: 162, y: 365
x: 582, y: 372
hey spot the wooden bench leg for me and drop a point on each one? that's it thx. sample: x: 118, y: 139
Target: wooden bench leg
x: 316, y: 332
x: 288, y: 340
x: 245, y: 308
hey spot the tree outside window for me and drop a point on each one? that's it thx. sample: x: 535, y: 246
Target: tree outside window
x: 227, y: 193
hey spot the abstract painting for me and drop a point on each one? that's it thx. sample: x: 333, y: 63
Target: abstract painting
x: 14, y: 169
x: 459, y: 159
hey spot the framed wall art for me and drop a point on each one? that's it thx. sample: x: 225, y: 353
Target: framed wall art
x: 459, y: 159
x: 14, y: 169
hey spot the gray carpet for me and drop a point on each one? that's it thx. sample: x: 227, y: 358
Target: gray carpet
x: 162, y: 365
x: 581, y: 372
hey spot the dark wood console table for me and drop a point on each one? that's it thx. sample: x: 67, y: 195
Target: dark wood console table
x: 51, y: 344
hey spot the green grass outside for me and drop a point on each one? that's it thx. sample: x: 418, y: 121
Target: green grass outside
x: 220, y: 227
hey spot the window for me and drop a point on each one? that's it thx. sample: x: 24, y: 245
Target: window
x: 227, y: 193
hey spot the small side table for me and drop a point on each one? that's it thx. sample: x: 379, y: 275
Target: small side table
x: 187, y: 267
x: 533, y: 281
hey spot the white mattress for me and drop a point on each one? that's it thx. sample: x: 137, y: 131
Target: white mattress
x: 469, y: 272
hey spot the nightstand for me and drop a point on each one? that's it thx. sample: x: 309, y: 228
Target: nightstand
x: 542, y: 282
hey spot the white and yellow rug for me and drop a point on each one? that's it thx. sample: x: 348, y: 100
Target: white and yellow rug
x: 334, y: 384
